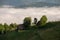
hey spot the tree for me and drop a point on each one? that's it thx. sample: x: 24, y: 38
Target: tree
x: 35, y: 20
x: 6, y: 27
x: 38, y: 23
x: 13, y: 25
x: 27, y: 22
x: 42, y: 21
x: 1, y: 29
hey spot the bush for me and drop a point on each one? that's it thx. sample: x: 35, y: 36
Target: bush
x: 27, y: 22
x: 1, y: 29
x: 35, y: 20
x: 42, y: 21
x: 6, y: 27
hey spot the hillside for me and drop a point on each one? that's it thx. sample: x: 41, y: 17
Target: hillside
x: 50, y: 32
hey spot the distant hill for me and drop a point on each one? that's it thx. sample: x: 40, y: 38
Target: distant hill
x: 50, y: 32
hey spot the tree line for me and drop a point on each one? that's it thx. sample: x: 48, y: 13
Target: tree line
x: 37, y: 23
x: 27, y: 23
x: 4, y: 28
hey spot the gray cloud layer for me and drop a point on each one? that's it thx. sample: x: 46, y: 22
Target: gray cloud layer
x: 28, y: 3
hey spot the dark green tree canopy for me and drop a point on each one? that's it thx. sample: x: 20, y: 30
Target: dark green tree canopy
x: 35, y: 20
x: 1, y: 27
x: 27, y: 21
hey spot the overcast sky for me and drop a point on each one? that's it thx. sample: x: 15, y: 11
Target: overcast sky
x: 16, y: 15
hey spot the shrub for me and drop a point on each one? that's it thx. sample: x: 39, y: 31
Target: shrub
x: 27, y: 22
x: 6, y: 27
x: 42, y: 21
x: 35, y: 20
x: 1, y: 29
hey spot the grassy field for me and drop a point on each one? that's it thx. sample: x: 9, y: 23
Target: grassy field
x: 47, y: 33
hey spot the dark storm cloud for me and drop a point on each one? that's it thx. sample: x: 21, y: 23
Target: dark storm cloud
x: 30, y: 3
x: 11, y: 15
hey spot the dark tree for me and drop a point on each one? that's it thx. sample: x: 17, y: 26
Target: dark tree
x: 35, y: 20
x: 6, y: 28
x: 1, y: 29
x: 12, y: 25
x: 27, y: 22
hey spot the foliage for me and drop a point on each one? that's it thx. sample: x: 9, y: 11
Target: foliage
x: 1, y: 29
x: 13, y: 26
x: 35, y: 20
x: 42, y: 21
x: 50, y: 31
x: 27, y: 22
x: 6, y: 27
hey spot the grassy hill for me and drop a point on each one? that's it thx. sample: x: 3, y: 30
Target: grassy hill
x: 51, y: 31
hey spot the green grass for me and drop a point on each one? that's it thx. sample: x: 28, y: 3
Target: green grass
x: 47, y: 34
x: 50, y: 32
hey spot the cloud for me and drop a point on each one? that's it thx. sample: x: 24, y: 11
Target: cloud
x: 9, y: 15
x: 29, y: 3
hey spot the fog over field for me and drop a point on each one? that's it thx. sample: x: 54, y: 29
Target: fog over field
x: 11, y: 11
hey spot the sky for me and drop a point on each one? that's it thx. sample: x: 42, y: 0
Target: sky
x: 10, y: 14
